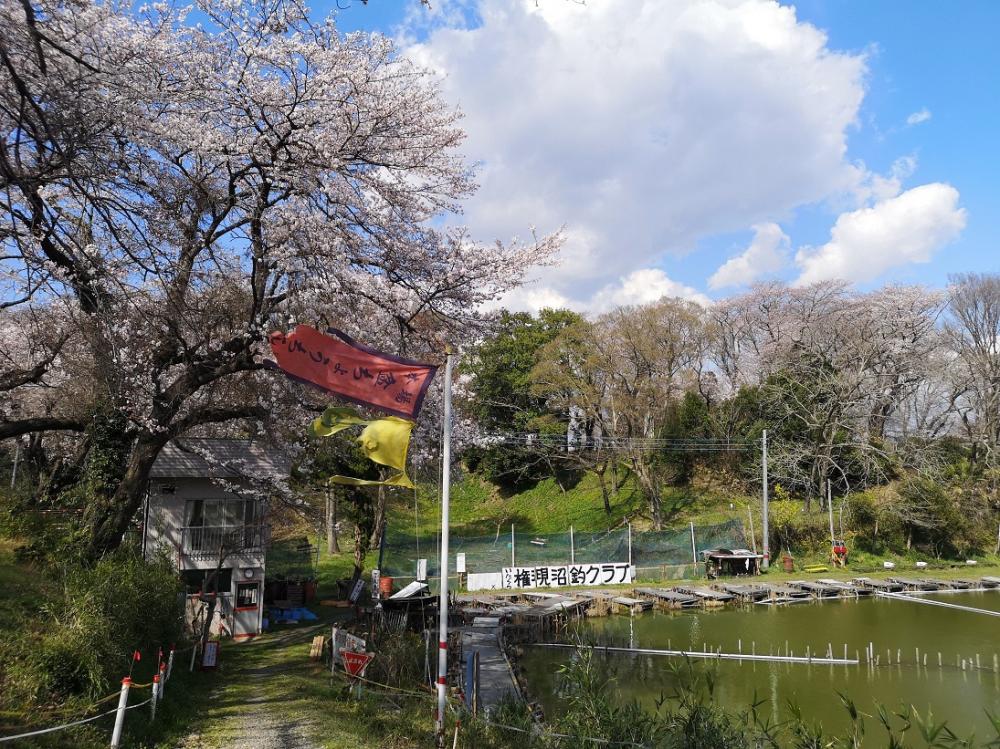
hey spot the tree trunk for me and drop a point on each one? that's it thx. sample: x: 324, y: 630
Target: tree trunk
x: 332, y: 544
x: 604, y: 487
x: 649, y: 486
x: 359, y: 552
x: 109, y: 520
x: 379, y: 524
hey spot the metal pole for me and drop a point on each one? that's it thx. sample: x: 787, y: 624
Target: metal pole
x: 572, y: 548
x: 629, y: 544
x: 442, y: 689
x: 116, y: 733
x: 765, y: 545
x: 17, y: 455
x: 694, y: 550
x: 512, y: 546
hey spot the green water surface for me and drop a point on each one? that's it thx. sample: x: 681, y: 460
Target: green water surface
x: 899, y: 627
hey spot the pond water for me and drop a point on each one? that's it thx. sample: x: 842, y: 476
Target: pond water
x: 959, y: 696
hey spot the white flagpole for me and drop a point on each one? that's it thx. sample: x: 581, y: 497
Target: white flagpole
x: 442, y: 687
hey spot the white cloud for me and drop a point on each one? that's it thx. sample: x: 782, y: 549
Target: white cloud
x: 643, y: 126
x: 642, y: 287
x: 769, y: 252
x: 917, y: 117
x: 878, y: 187
x: 908, y: 228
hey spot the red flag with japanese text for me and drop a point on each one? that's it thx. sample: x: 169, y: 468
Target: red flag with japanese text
x: 351, y: 370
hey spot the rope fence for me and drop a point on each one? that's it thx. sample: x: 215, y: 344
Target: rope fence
x: 160, y: 679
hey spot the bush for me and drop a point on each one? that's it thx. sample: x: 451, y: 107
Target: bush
x: 84, y: 644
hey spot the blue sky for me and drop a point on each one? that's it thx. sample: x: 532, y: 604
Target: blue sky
x: 911, y: 85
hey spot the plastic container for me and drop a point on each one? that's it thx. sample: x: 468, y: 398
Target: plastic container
x: 788, y: 564
x: 385, y: 586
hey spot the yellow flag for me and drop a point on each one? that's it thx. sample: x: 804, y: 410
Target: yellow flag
x: 384, y: 441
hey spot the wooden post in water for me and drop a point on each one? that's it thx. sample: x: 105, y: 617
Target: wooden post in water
x: 939, y: 659
x: 899, y: 655
x: 995, y: 664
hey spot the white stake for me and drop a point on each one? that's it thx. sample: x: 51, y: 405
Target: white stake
x: 442, y: 688
x: 155, y: 696
x: 116, y: 734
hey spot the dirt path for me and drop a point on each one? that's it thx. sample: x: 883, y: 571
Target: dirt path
x: 260, y: 706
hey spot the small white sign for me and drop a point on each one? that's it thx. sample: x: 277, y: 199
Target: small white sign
x: 342, y: 640
x: 421, y: 569
x: 460, y: 562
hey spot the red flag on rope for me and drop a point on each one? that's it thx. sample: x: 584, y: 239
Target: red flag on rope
x: 351, y: 370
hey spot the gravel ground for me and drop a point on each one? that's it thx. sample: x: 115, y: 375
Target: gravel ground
x: 257, y: 722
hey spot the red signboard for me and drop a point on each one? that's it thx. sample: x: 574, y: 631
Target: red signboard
x: 355, y: 663
x: 351, y: 370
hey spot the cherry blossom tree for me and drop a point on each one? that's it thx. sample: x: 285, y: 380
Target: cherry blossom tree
x: 173, y: 192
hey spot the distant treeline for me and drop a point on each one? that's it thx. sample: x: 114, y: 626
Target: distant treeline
x: 897, y: 387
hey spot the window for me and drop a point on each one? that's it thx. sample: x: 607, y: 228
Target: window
x: 214, y: 524
x: 200, y: 581
x: 247, y: 595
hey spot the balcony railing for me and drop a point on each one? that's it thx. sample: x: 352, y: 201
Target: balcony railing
x: 215, y: 541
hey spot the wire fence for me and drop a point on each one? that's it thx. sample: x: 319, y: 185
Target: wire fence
x: 646, y: 550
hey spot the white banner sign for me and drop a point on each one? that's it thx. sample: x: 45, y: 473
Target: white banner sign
x: 574, y: 574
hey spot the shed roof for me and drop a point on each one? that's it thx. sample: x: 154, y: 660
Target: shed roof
x: 207, y: 457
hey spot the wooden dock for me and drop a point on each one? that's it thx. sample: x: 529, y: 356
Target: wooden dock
x: 816, y: 589
x: 782, y: 595
x: 846, y: 589
x: 670, y: 599
x: 709, y: 597
x: 748, y: 593
x: 916, y: 584
x: 634, y: 605
x: 884, y: 586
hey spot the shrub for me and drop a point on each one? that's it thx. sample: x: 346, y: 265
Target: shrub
x: 101, y: 616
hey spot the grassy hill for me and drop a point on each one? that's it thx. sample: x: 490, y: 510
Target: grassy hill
x: 479, y: 508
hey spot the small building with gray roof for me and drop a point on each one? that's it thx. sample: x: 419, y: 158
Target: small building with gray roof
x: 206, y: 509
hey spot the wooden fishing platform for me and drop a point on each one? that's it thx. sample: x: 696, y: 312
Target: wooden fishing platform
x: 846, y: 589
x: 749, y: 593
x: 785, y: 594
x: 708, y: 596
x: 634, y: 605
x: 883, y: 586
x: 816, y: 589
x: 915, y: 584
x: 955, y: 584
x: 670, y: 599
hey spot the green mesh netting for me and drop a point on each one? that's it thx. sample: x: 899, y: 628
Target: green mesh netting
x: 492, y: 553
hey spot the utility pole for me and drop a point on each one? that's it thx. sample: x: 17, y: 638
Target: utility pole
x: 765, y: 545
x: 442, y: 680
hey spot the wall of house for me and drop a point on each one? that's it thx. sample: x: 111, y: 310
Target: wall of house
x: 165, y: 520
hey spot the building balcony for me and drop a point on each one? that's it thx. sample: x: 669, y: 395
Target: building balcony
x: 215, y: 542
